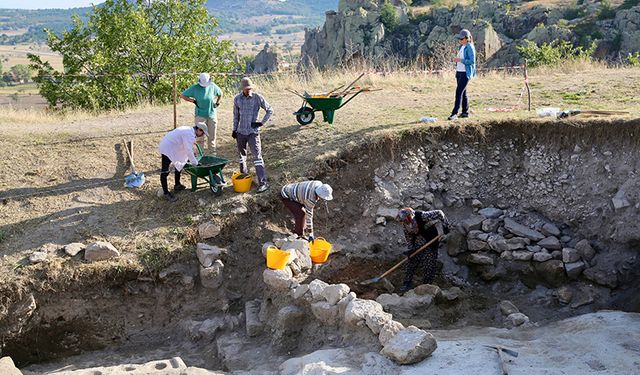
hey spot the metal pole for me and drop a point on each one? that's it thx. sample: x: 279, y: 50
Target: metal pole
x: 175, y: 110
x: 526, y: 83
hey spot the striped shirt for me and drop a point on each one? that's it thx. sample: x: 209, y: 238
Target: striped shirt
x: 245, y: 111
x: 305, y: 194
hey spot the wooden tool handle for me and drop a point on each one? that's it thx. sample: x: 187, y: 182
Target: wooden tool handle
x: 410, y: 256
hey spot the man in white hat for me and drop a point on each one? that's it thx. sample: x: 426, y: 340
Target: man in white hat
x: 176, y: 148
x: 206, y: 96
x: 301, y: 198
x: 246, y: 128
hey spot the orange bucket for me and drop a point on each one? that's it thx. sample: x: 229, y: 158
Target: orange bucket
x: 320, y: 250
x: 277, y: 259
x: 241, y: 185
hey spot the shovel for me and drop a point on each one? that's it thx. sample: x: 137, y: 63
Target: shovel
x: 382, y: 277
x: 135, y: 179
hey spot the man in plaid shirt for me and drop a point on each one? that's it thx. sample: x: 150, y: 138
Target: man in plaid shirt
x: 420, y: 227
x: 246, y: 128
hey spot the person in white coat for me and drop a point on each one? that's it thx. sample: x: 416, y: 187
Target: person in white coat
x: 176, y: 148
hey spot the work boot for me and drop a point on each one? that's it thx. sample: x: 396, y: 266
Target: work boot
x: 170, y: 197
x: 452, y: 117
x: 464, y: 115
x: 178, y: 187
x: 263, y: 187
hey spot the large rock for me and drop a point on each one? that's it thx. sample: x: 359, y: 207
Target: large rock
x: 335, y: 292
x: 253, y: 324
x: 358, y: 309
x: 522, y: 255
x: 317, y: 287
x: 456, y: 243
x: 549, y: 229
x: 7, y: 367
x: 477, y: 245
x: 410, y: 345
x: 551, y: 272
x: 74, y: 248
x: 601, y: 277
x: 207, y: 254
x: 208, y: 230
x: 388, y: 213
x: 586, y: 251
x: 521, y: 230
x: 325, y: 312
x: 550, y: 243
x: 290, y: 321
x: 278, y: 280
x: 542, y: 257
x: 490, y: 225
x: 100, y: 250
x: 517, y: 319
x: 39, y: 257
x: 212, y: 277
x: 628, y: 23
x: 507, y: 308
x: 480, y: 259
x: 266, y: 61
x: 570, y: 255
x: 491, y: 213
x: 498, y: 244
x: 473, y: 223
x: 388, y: 331
x: 405, y: 306
x: 376, y: 319
x: 574, y: 270
x: 518, y: 243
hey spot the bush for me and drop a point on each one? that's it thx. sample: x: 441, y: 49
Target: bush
x: 634, y: 59
x: 389, y: 16
x: 554, y: 53
x: 606, y: 11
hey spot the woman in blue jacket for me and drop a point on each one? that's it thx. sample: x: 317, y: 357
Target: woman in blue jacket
x: 465, y: 70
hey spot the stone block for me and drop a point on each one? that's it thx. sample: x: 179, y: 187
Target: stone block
x: 208, y: 230
x: 570, y: 255
x: 335, y: 292
x: 278, y: 280
x: 549, y: 229
x: 358, y: 309
x: 100, y: 250
x: 388, y: 331
x: 574, y: 269
x: 317, y: 287
x: 480, y: 259
x: 207, y: 254
x: 521, y: 230
x: 517, y: 319
x: 542, y: 257
x: 211, y: 277
x: 325, y: 312
x: 410, y: 345
x: 550, y: 243
x: 74, y: 248
x: 586, y: 251
x: 522, y: 255
x: 473, y: 223
x: 491, y: 213
x: 253, y: 324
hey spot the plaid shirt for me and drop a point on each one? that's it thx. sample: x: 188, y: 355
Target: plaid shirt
x: 245, y: 111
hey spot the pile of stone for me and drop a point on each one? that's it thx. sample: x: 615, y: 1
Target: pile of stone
x: 333, y: 305
x: 512, y: 316
x: 418, y: 300
x: 94, y: 252
x: 492, y: 240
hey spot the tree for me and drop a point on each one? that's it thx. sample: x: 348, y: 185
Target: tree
x: 126, y: 52
x: 389, y: 16
x: 21, y: 73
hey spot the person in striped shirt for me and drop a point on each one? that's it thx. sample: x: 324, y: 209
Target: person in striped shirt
x: 301, y: 198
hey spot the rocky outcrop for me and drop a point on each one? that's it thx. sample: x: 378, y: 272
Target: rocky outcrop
x: 627, y: 22
x: 266, y: 61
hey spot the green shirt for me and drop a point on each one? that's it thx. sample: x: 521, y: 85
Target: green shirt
x: 205, y: 98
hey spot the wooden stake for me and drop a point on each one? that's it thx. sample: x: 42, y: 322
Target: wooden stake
x: 526, y: 83
x: 175, y: 110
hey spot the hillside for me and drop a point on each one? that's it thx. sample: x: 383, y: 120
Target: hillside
x: 262, y: 16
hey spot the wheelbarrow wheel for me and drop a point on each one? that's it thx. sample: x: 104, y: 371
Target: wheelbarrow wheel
x: 216, y: 187
x: 305, y: 116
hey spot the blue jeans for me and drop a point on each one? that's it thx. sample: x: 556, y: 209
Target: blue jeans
x: 461, y: 94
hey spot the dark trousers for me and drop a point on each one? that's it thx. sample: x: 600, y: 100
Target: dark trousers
x: 427, y: 259
x: 299, y: 215
x: 165, y: 171
x: 461, y: 93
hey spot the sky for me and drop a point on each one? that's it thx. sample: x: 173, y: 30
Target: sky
x: 41, y: 4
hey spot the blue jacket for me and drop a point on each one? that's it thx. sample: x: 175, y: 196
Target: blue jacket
x: 469, y: 60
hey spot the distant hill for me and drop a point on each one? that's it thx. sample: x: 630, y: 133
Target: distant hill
x: 244, y: 16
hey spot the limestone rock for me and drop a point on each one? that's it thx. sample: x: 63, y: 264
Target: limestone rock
x: 404, y: 306
x: 211, y: 277
x: 477, y: 245
x: 475, y: 203
x: 376, y: 319
x: 473, y: 223
x: 542, y: 257
x: 38, y: 257
x: 325, y: 312
x: 535, y: 249
x: 518, y: 243
x: 279, y: 280
x: 480, y: 259
x: 521, y: 230
x: 449, y: 295
x: 490, y: 225
x: 410, y: 345
x: 74, y: 248
x: 388, y: 331
x: 300, y: 291
x: 574, y: 269
x: 586, y: 251
x: 522, y: 255
x: 7, y: 367
x: 548, y: 229
x: 517, y: 319
x: 100, y: 250
x: 266, y: 61
x: 208, y: 230
x: 507, y: 308
x: 551, y: 243
x: 358, y: 309
x: 491, y: 213
x: 207, y: 254
x: 601, y: 277
x: 498, y: 244
x: 290, y: 320
x: 335, y: 292
x: 427, y: 289
x: 456, y: 243
x: 387, y: 212
x: 570, y: 255
x: 551, y: 272
x: 317, y: 287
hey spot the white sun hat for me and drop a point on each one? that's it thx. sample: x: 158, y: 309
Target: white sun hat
x: 204, y: 79
x: 325, y: 192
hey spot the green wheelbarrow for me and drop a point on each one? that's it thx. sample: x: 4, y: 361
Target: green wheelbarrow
x: 327, y: 103
x: 209, y: 169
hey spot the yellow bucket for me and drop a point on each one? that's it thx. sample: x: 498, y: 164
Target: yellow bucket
x: 241, y: 185
x: 319, y: 249
x: 277, y: 259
